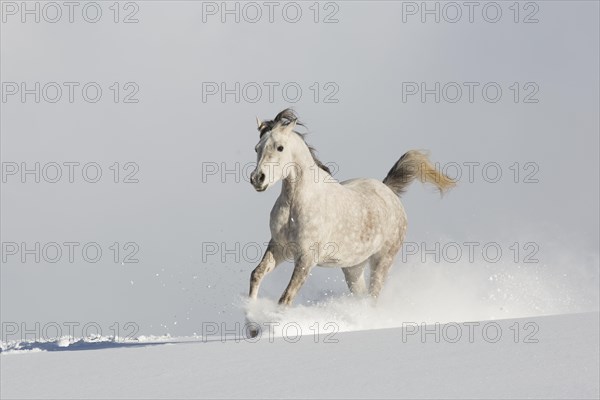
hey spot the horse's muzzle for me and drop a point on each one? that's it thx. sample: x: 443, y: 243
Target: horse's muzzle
x: 258, y: 181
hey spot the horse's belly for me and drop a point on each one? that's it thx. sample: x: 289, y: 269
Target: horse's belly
x: 341, y: 264
x: 345, y: 254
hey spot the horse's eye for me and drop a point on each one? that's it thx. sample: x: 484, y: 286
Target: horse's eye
x: 280, y: 148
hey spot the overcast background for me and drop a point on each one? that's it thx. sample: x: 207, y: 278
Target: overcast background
x: 358, y: 121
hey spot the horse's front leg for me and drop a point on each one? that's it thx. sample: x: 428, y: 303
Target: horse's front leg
x: 271, y: 259
x: 301, y: 271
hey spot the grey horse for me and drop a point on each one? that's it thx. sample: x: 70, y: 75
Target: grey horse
x: 319, y: 221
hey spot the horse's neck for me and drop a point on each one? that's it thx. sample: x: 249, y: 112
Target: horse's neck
x: 305, y: 180
x: 311, y: 181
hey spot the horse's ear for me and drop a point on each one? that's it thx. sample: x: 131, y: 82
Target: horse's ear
x: 290, y: 127
x: 258, y: 122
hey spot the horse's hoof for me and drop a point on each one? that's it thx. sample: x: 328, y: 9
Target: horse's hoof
x: 251, y: 333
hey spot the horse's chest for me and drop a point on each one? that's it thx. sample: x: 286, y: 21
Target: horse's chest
x: 287, y: 224
x: 280, y: 217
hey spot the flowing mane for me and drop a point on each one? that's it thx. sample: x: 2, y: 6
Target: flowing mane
x: 285, y: 118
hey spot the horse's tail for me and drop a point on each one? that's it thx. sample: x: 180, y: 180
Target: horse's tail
x: 413, y: 165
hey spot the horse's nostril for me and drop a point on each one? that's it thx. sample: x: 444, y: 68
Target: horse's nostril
x: 261, y: 178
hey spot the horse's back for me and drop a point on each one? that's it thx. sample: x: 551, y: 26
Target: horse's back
x: 370, y: 187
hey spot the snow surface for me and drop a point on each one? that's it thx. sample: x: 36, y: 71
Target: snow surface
x: 396, y: 362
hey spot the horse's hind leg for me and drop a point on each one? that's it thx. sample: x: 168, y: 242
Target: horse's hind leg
x: 380, y: 266
x: 355, y: 278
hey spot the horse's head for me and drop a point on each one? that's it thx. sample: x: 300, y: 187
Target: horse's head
x: 275, y: 150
